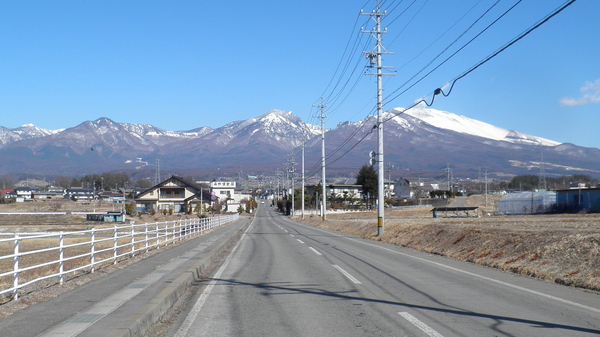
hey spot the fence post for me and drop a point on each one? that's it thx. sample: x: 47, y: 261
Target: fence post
x: 146, y: 228
x: 115, y: 245
x: 16, y: 268
x: 132, y: 240
x: 61, y: 256
x: 157, y: 235
x: 93, y: 250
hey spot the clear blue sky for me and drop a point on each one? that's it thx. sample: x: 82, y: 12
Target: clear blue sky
x: 179, y: 65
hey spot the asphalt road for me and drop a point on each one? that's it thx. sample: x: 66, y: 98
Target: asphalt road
x: 289, y: 279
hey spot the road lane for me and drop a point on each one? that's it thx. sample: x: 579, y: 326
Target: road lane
x: 290, y: 279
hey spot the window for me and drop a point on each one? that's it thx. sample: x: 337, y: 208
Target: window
x: 172, y: 193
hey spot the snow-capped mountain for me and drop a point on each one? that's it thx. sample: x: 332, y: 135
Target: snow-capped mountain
x: 462, y: 124
x: 26, y: 131
x: 418, y: 140
x: 277, y: 128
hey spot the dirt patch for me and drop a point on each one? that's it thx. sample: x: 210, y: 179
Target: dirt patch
x: 563, y: 249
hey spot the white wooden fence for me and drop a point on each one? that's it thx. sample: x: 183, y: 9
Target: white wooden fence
x: 69, y: 252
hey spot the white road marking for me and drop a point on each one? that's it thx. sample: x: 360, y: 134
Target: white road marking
x: 315, y: 251
x: 299, y: 240
x: 424, y: 327
x: 558, y: 299
x: 350, y: 277
x: 193, y: 314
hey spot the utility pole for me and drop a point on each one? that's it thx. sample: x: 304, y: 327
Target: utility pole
x: 375, y: 59
x: 302, y: 195
x: 323, y: 192
x: 292, y: 170
x: 485, y: 174
x: 278, y: 191
x: 449, y: 173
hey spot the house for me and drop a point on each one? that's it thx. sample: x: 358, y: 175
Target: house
x: 80, y: 194
x: 174, y: 194
x: 8, y: 193
x: 52, y: 192
x: 225, y: 190
x: 578, y: 199
x: 402, y: 188
x: 47, y: 195
x: 344, y: 192
x: 110, y: 196
x: 25, y: 193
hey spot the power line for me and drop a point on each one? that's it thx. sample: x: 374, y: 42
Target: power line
x: 451, y: 56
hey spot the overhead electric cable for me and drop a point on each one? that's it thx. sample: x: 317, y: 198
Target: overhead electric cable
x: 488, y: 58
x: 451, y: 56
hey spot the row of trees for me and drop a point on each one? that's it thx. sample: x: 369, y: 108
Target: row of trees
x: 532, y: 182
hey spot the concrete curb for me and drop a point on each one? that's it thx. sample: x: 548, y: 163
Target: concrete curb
x: 138, y: 324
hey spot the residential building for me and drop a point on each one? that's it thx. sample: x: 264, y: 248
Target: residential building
x: 225, y: 190
x: 25, y: 193
x: 80, y: 194
x: 174, y: 194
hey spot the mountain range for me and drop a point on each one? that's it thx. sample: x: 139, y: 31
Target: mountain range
x: 418, y: 142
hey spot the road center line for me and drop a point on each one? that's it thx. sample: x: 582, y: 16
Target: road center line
x: 424, y: 327
x: 299, y: 240
x: 558, y: 299
x: 315, y: 251
x: 350, y: 277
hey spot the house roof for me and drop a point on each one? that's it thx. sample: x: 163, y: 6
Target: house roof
x: 205, y: 191
x: 26, y: 189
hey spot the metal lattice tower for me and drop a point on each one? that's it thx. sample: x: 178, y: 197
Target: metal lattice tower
x: 157, y: 179
x: 542, y: 179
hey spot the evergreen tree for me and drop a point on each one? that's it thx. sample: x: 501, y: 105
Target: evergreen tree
x: 367, y: 178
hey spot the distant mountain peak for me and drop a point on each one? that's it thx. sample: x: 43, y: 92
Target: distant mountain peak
x: 418, y: 139
x: 462, y: 124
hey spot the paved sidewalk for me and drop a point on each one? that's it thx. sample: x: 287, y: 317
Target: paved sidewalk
x: 127, y: 301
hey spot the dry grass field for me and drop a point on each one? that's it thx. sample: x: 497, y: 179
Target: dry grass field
x: 561, y: 248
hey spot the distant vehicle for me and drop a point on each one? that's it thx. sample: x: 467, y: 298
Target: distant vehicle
x: 262, y: 202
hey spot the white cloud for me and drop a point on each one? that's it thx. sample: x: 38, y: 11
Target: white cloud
x: 590, y: 93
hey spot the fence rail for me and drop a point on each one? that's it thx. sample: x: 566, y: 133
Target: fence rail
x: 29, y: 259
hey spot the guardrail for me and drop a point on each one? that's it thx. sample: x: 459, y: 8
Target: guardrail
x: 51, y: 257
